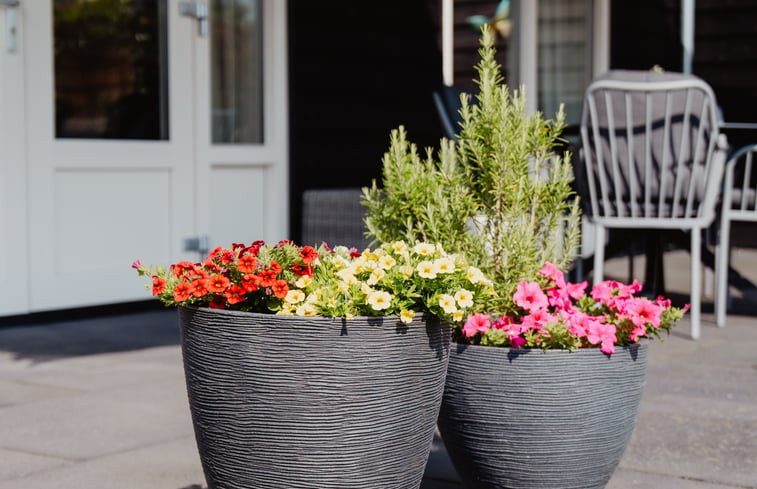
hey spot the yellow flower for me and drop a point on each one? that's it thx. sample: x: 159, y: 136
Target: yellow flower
x: 406, y: 316
x: 376, y: 275
x: 464, y: 298
x: 340, y: 262
x: 474, y: 275
x: 457, y: 316
x: 342, y: 287
x: 406, y: 270
x: 348, y: 275
x: 306, y: 309
x: 303, y: 281
x: 314, y: 297
x: 424, y: 249
x: 386, y: 262
x: 286, y: 310
x: 294, y: 296
x: 365, y: 289
x: 447, y: 303
x: 426, y: 269
x: 444, y: 265
x: 379, y: 300
x: 370, y: 255
x: 399, y: 247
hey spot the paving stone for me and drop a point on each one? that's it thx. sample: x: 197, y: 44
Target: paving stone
x: 720, y: 450
x: 173, y: 464
x: 15, y: 464
x: 91, y: 425
x: 631, y: 479
x: 19, y: 392
x: 101, y: 372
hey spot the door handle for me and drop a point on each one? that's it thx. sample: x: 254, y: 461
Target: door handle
x: 11, y: 23
x: 197, y: 10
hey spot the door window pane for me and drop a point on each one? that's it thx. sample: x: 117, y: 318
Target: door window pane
x: 110, y: 69
x: 237, y: 71
x: 565, y: 59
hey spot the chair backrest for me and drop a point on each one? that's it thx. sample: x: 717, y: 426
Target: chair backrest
x: 447, y: 101
x: 652, y: 149
x: 740, y: 188
x: 334, y: 216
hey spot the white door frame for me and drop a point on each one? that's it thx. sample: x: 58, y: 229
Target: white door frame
x: 245, y: 186
x: 38, y: 270
x: 14, y: 256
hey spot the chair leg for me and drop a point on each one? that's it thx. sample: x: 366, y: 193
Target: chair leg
x: 709, y: 275
x: 599, y: 253
x: 721, y: 272
x: 696, y: 282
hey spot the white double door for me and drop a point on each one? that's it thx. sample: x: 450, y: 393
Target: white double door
x: 76, y: 211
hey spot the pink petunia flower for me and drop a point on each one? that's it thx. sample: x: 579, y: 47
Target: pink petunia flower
x: 642, y: 311
x: 512, y: 329
x: 478, y: 323
x: 551, y: 271
x: 604, y: 333
x: 530, y: 297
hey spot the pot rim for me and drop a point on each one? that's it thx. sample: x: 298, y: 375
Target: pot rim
x: 455, y: 346
x: 418, y: 316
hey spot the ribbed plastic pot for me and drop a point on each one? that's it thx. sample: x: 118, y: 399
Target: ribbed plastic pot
x: 312, y: 402
x: 536, y: 419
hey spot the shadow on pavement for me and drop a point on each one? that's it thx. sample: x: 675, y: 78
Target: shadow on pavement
x: 91, y: 336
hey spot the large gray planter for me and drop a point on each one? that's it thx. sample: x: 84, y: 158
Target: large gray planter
x: 293, y: 402
x: 535, y: 419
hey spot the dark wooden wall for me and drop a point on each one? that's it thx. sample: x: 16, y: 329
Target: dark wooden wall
x: 357, y: 70
x: 647, y: 32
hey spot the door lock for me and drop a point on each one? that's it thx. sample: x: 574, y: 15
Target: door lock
x: 197, y: 10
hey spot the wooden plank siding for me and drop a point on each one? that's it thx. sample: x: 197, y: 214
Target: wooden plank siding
x: 647, y: 32
x: 357, y: 71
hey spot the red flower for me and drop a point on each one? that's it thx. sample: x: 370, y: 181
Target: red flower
x: 280, y: 288
x: 218, y: 283
x: 235, y: 294
x: 266, y: 278
x: 222, y: 255
x: 300, y: 269
x: 308, y: 254
x: 254, y: 248
x: 218, y: 302
x: 354, y: 253
x: 178, y: 269
x: 275, y: 267
x: 158, y: 285
x: 247, y: 263
x: 182, y: 292
x: 200, y: 286
x: 250, y: 282
x: 211, y: 266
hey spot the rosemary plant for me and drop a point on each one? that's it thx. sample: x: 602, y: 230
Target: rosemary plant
x: 500, y: 195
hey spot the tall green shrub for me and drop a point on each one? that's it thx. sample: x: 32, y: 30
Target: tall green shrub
x: 500, y: 195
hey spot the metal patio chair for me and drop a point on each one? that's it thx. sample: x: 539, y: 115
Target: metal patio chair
x: 334, y: 216
x: 739, y: 203
x: 447, y: 102
x: 654, y: 159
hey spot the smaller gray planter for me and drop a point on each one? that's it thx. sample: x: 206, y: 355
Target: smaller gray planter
x: 535, y: 419
x: 293, y: 402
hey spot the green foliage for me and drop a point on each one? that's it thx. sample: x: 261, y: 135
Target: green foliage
x: 501, y: 195
x: 421, y: 199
